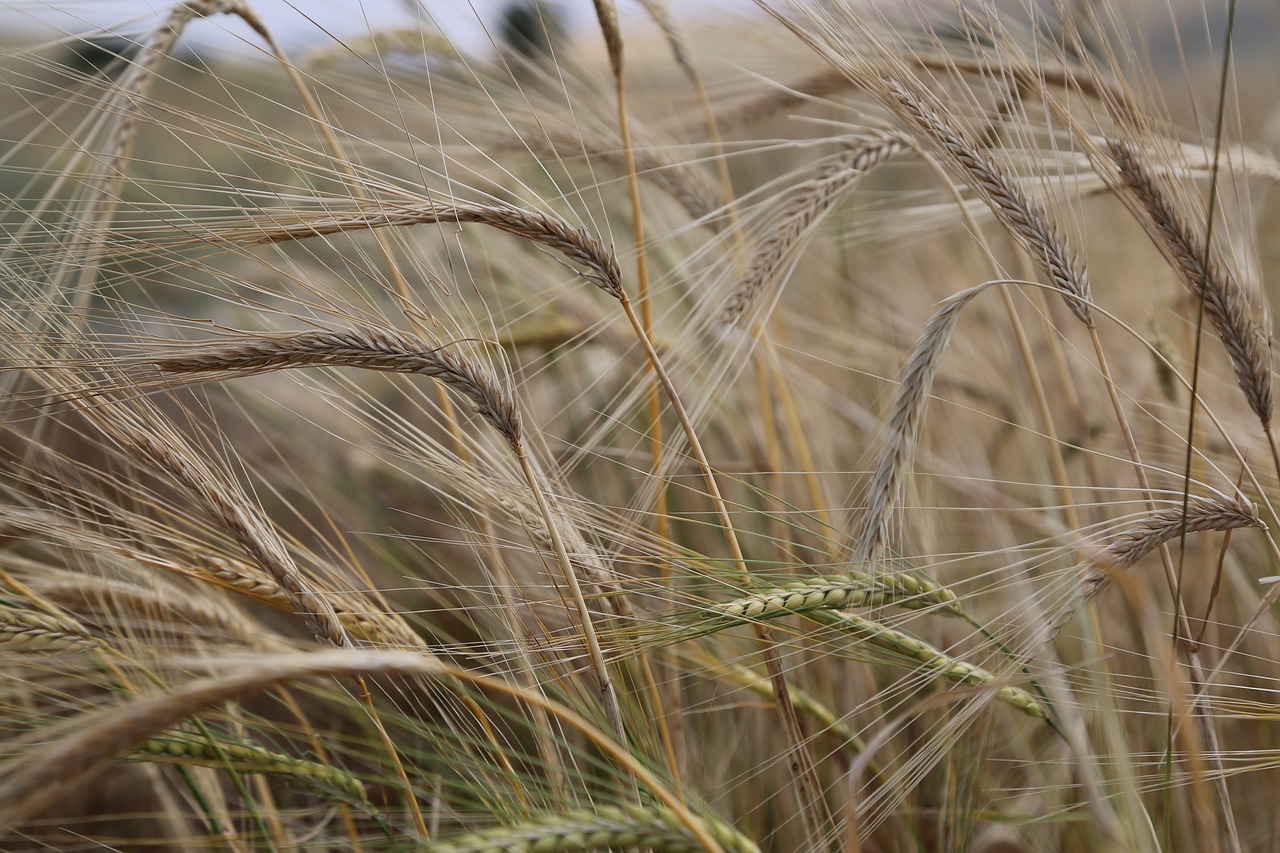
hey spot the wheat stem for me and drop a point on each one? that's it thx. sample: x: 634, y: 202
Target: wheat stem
x: 805, y: 773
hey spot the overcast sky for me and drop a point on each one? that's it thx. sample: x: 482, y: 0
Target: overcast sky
x: 303, y: 23
x: 297, y: 22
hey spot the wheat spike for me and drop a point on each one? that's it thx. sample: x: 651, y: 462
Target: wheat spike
x: 369, y: 348
x: 603, y: 828
x: 795, y: 219
x: 1226, y: 305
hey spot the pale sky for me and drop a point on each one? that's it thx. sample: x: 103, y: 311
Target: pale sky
x: 296, y: 22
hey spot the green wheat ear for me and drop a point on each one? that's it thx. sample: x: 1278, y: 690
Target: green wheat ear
x: 176, y: 748
x: 604, y: 828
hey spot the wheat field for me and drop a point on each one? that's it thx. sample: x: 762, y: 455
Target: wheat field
x: 829, y: 427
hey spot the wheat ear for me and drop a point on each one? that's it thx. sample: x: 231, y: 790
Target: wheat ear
x: 365, y: 347
x: 766, y: 106
x: 1208, y: 278
x: 1157, y: 528
x: 109, y: 170
x: 1024, y: 219
x: 574, y: 244
x: 106, y: 600
x: 834, y: 593
x: 607, y: 16
x: 390, y: 629
x: 375, y: 45
x: 688, y: 185
x: 807, y: 203
x: 904, y: 422
x: 929, y: 659
x: 603, y: 828
x: 224, y: 502
x: 188, y: 749
x: 26, y: 630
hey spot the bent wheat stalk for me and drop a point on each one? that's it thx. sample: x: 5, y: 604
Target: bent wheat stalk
x: 813, y: 806
x: 109, y: 170
x: 81, y: 749
x: 393, y: 351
